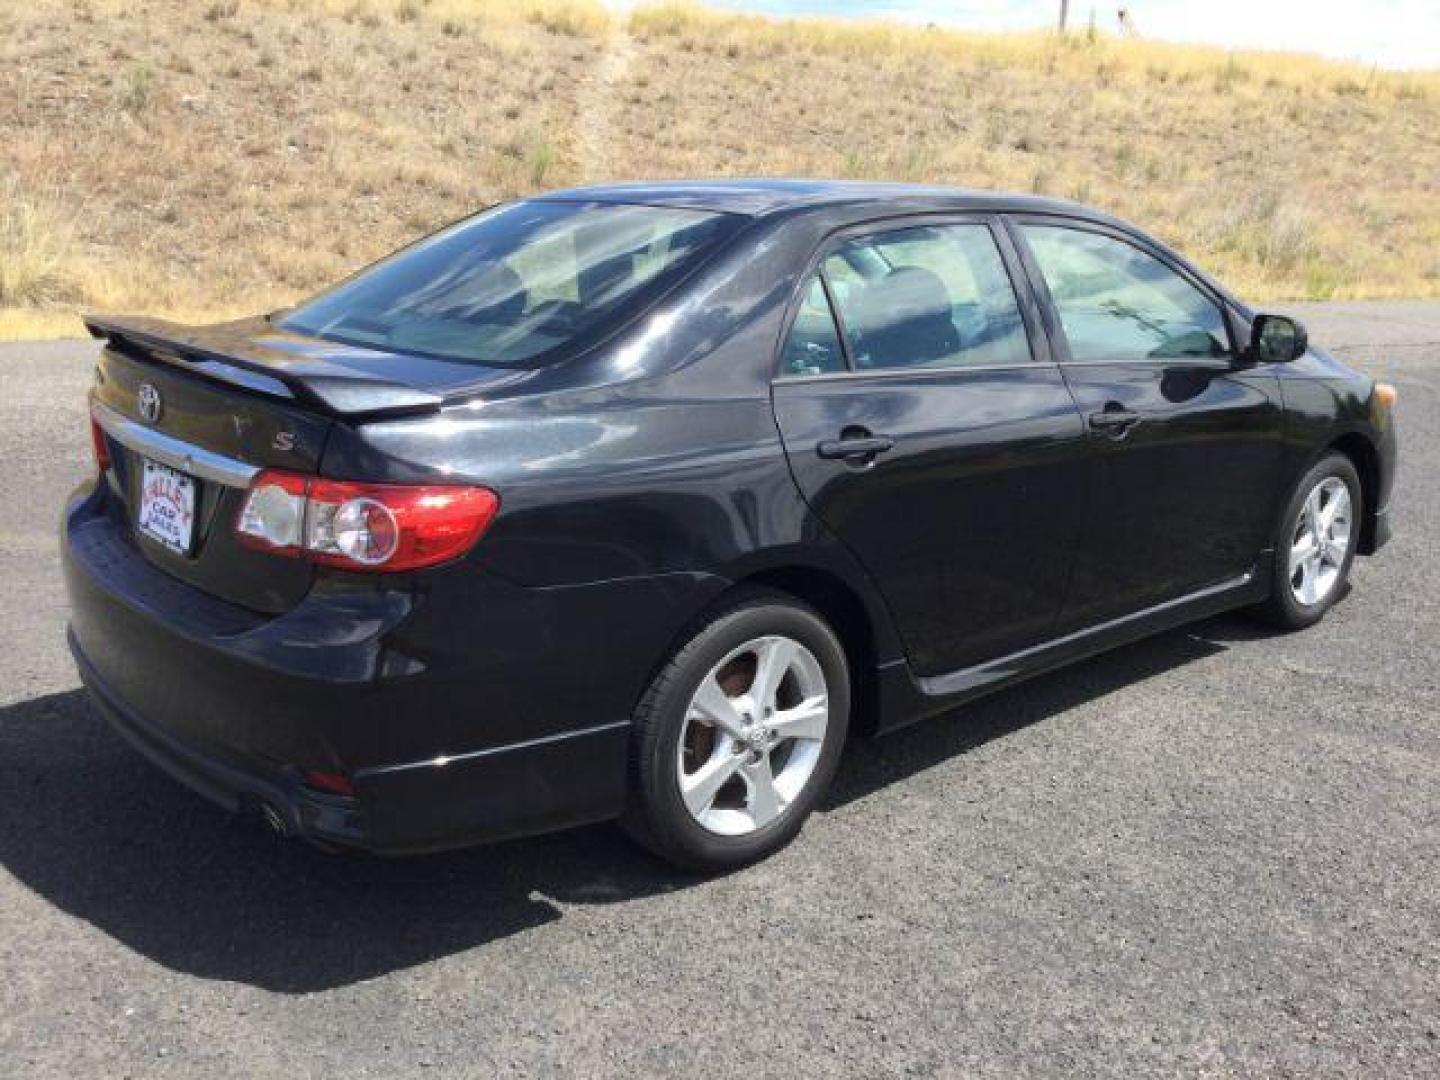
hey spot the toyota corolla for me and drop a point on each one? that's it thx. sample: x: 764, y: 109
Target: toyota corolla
x: 634, y: 502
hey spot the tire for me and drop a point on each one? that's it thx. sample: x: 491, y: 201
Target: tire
x: 675, y: 742
x: 1287, y: 607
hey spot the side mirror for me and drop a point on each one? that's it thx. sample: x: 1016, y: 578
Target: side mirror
x: 1277, y: 339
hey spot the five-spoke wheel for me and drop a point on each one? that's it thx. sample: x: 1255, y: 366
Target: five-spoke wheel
x: 740, y: 734
x: 1315, y: 545
x: 1322, y: 541
x: 752, y: 735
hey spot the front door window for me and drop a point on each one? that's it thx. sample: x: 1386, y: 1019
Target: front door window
x: 1116, y: 302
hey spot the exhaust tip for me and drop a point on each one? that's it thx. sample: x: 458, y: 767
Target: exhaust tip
x: 275, y: 820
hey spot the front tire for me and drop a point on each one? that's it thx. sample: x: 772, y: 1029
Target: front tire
x: 1315, y: 545
x: 738, y: 737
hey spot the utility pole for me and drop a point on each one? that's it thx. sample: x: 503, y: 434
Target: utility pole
x: 1064, y: 11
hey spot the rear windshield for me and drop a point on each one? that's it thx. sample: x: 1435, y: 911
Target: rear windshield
x: 512, y: 285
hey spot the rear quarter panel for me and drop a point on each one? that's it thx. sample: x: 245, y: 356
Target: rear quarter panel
x: 656, y: 454
x: 636, y: 486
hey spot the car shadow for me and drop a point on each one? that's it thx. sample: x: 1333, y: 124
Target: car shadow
x: 871, y: 764
x: 97, y: 831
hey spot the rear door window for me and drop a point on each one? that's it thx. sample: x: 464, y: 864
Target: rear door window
x: 813, y: 345
x: 927, y: 297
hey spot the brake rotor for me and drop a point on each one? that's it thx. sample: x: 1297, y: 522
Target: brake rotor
x: 735, y: 678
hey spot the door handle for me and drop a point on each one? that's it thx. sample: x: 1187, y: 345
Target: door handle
x: 854, y: 447
x: 1114, y: 422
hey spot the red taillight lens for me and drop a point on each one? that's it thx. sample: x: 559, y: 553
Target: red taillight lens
x: 333, y: 783
x: 383, y: 527
x: 100, y: 446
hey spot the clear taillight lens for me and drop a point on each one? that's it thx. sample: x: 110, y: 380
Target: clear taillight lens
x: 363, y: 529
x: 273, y: 517
x: 358, y: 526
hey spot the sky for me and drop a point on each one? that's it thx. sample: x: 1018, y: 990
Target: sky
x: 1391, y: 33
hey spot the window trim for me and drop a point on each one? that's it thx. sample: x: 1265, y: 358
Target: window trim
x: 836, y: 323
x: 837, y: 317
x: 1060, y: 343
x: 1026, y: 301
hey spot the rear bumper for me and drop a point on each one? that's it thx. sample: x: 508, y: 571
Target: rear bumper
x: 504, y: 791
x: 469, y: 710
x: 294, y: 809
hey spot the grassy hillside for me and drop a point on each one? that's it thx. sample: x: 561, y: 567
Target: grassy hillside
x: 209, y: 157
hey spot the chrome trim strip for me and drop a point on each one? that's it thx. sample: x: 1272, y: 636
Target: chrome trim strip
x: 168, y: 450
x: 912, y: 372
x: 475, y: 755
x: 1206, y: 363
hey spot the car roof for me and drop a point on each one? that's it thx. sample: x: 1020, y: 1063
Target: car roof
x: 757, y: 197
x: 851, y: 202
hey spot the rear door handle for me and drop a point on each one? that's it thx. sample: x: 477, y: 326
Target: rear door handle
x: 855, y: 447
x: 1114, y: 422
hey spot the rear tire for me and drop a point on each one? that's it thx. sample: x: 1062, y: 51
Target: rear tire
x: 738, y: 737
x: 1315, y: 545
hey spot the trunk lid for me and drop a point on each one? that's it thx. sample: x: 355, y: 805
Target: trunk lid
x: 336, y: 378
x: 217, y: 404
x: 203, y: 424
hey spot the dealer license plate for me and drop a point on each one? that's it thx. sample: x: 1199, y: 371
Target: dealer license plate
x: 167, y: 507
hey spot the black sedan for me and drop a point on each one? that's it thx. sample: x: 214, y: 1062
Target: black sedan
x: 634, y: 502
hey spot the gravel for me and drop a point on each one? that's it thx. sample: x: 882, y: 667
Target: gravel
x: 1215, y: 852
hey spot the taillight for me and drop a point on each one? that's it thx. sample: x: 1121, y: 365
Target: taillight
x: 381, y: 527
x: 100, y: 446
x: 329, y: 782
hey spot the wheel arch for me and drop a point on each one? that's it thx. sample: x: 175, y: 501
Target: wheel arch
x: 853, y: 611
x: 842, y: 607
x: 1365, y: 457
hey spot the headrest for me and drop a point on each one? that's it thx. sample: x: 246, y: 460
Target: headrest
x: 500, y: 294
x: 906, y: 295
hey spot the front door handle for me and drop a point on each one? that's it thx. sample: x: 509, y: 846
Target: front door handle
x: 1114, y: 422
x: 854, y: 447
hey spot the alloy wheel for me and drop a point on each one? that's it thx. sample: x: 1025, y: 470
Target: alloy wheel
x: 1321, y: 541
x: 753, y: 735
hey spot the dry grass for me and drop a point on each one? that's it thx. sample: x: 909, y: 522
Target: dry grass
x: 212, y: 157
x: 1290, y: 176
x: 36, y: 249
x: 1080, y: 55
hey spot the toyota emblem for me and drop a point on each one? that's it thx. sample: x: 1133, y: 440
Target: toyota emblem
x: 148, y: 399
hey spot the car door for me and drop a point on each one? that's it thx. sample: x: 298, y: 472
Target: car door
x: 928, y: 429
x: 1185, y: 433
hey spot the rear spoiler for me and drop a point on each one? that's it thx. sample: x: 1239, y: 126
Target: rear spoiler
x: 228, y: 354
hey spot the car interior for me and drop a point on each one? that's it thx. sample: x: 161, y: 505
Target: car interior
x: 914, y: 298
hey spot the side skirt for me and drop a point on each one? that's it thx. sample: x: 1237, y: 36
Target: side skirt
x: 906, y: 698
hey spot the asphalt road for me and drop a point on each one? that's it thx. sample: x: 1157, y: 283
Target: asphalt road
x: 1216, y: 852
